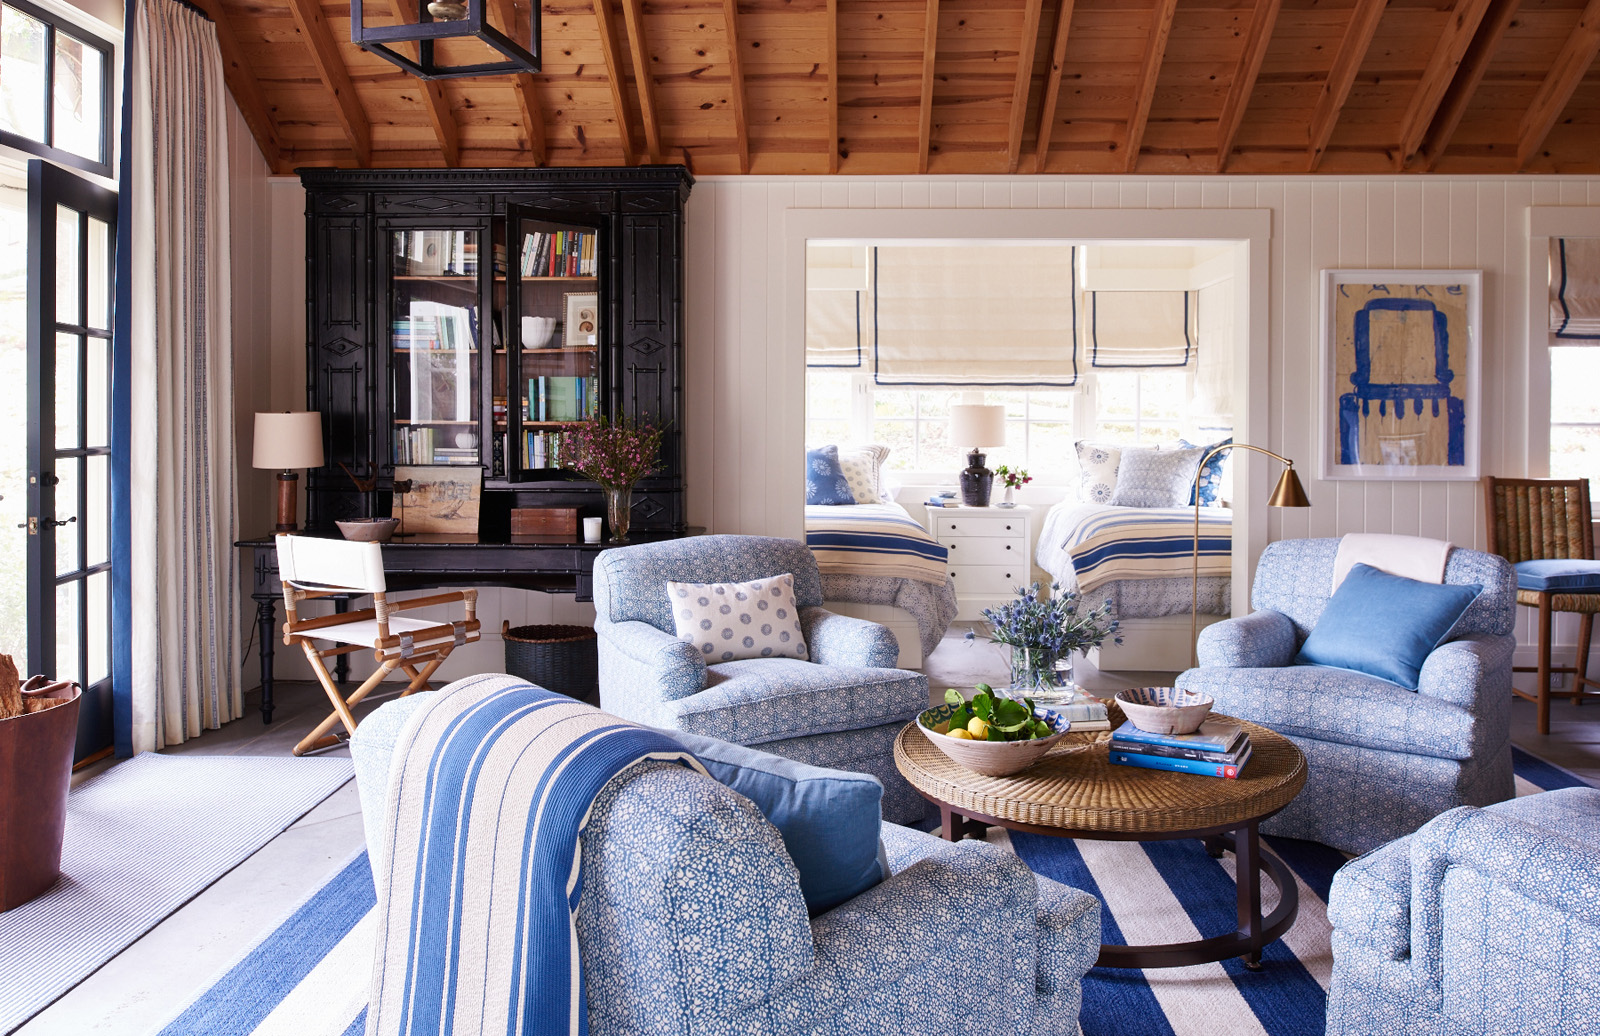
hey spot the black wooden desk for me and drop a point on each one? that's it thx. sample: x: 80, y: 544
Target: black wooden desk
x: 426, y: 561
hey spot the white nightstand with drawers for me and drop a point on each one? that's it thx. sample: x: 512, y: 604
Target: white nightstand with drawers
x: 988, y: 553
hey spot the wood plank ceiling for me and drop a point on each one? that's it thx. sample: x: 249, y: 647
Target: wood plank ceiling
x: 950, y: 86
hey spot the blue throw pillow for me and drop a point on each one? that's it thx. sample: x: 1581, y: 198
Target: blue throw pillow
x: 1210, y: 481
x: 829, y: 819
x: 825, y: 481
x: 1384, y: 625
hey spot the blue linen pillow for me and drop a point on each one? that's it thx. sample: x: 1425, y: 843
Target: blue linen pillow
x: 829, y: 819
x: 1156, y: 478
x: 825, y: 481
x: 1210, y: 482
x: 1571, y: 576
x: 1385, y: 625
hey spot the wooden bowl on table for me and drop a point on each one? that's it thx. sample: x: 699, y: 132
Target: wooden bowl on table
x: 368, y: 530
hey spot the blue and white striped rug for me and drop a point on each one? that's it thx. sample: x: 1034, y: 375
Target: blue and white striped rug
x: 309, y: 977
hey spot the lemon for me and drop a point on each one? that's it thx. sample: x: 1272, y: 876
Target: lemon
x: 960, y: 735
x: 978, y: 729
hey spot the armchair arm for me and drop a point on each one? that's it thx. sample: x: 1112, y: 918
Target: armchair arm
x: 834, y: 639
x: 1473, y: 670
x: 1261, y: 640
x: 641, y: 663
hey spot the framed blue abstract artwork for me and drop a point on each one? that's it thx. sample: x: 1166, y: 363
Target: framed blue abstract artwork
x: 1400, y: 362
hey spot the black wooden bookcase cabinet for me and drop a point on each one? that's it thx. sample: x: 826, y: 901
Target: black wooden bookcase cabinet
x: 350, y: 214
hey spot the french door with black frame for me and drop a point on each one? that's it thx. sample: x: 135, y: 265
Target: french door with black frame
x: 71, y: 258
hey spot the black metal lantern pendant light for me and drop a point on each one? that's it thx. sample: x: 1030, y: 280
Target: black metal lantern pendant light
x: 465, y: 22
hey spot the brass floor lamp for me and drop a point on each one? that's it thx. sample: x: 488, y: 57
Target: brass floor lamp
x: 1287, y: 493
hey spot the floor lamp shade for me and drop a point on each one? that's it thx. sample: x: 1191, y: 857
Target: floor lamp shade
x: 977, y: 425
x: 285, y: 442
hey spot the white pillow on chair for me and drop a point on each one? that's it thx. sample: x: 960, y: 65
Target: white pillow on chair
x: 730, y: 621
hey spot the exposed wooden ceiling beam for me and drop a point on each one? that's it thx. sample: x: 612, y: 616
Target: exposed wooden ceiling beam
x: 1459, y: 31
x: 741, y: 128
x: 1257, y: 36
x: 313, y: 26
x: 1052, y: 85
x: 831, y: 55
x: 1577, y: 54
x: 1155, y: 51
x: 434, y: 101
x: 619, y: 102
x: 930, y: 58
x: 633, y: 13
x: 244, y: 86
x: 1459, y: 95
x: 527, y: 94
x: 1336, y: 89
x: 1023, y: 83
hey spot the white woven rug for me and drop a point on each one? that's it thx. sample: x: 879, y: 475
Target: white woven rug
x: 142, y: 839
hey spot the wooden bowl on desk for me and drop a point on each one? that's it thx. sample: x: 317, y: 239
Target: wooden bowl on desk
x: 368, y: 530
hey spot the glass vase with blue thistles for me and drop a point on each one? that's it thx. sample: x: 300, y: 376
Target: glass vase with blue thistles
x: 1043, y: 631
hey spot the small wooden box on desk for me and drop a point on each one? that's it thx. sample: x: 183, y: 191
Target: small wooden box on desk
x: 989, y: 555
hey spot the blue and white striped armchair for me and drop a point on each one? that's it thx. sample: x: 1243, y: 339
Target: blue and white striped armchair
x: 1382, y: 760
x: 841, y: 709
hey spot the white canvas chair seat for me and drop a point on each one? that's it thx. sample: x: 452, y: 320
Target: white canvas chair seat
x: 312, y: 567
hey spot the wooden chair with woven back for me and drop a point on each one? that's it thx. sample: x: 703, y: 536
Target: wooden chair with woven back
x: 311, y: 567
x: 1544, y: 528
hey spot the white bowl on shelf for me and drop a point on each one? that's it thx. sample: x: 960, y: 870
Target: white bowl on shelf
x: 537, y: 332
x: 1165, y: 710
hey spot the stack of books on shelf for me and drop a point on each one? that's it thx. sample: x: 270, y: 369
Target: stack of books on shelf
x: 1220, y: 748
x: 421, y: 446
x: 542, y: 449
x: 561, y: 398
x: 1084, y: 711
x: 565, y: 253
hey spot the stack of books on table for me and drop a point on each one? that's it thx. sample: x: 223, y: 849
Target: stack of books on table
x: 1218, y: 749
x: 1084, y: 711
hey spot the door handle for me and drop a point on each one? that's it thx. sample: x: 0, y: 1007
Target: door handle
x: 72, y: 519
x: 32, y: 525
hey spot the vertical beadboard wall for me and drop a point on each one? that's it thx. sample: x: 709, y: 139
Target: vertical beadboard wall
x: 739, y: 394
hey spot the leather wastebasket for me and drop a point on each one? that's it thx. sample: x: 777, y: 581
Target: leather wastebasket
x: 35, y: 775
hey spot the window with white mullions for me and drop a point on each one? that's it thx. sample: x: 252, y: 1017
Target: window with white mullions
x: 1145, y: 407
x: 55, y: 89
x: 1574, y: 413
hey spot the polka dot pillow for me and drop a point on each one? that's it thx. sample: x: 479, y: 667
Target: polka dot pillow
x: 863, y: 469
x: 730, y: 621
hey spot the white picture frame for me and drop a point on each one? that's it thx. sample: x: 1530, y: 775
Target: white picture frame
x: 581, y: 328
x: 1400, y: 386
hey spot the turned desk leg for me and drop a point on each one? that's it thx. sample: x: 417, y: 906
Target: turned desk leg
x: 341, y: 663
x: 266, y: 633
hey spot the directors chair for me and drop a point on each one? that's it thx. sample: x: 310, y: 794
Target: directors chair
x: 311, y: 567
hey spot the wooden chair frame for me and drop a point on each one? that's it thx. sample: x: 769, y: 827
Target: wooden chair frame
x: 392, y: 650
x: 1526, y: 523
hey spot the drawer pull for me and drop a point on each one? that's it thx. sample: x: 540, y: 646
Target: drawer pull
x: 1008, y: 528
x: 1008, y: 546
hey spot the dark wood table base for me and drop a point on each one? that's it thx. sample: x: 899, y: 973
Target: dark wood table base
x: 1251, y: 861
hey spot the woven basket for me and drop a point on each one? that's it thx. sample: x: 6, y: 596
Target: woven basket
x: 558, y: 658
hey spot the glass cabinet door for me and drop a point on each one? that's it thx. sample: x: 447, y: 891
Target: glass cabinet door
x: 435, y: 335
x: 549, y: 375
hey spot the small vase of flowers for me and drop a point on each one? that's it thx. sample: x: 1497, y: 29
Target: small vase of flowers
x: 1013, y: 479
x: 615, y: 455
x: 1043, y: 633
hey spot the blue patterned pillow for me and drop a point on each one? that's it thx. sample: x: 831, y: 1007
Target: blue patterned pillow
x: 1156, y: 478
x: 825, y: 481
x: 1210, y: 484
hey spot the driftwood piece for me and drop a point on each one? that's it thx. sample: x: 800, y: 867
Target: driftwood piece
x: 10, y: 689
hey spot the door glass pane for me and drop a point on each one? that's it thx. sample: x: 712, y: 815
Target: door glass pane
x: 99, y: 274
x: 67, y: 631
x: 78, y: 92
x: 68, y: 308
x: 97, y: 513
x: 13, y: 404
x: 22, y: 43
x: 434, y: 299
x: 98, y: 628
x: 70, y: 471
x: 67, y: 388
x: 98, y: 394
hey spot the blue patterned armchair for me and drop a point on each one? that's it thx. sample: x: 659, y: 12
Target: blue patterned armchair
x: 842, y: 709
x: 1382, y: 760
x: 1484, y: 921
x: 692, y: 921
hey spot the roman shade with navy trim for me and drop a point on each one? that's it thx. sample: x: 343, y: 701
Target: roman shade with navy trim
x: 1141, y: 329
x: 1575, y: 289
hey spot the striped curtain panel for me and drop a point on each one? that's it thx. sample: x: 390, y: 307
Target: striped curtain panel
x: 185, y: 636
x: 1575, y: 289
x: 1136, y: 330
x: 1001, y: 315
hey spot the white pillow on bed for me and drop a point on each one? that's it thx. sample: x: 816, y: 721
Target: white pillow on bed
x: 1156, y: 478
x: 1097, y: 465
x: 863, y: 469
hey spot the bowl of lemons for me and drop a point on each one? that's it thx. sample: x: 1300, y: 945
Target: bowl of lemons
x: 990, y: 734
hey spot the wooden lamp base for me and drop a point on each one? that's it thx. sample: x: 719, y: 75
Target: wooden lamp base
x: 287, y: 485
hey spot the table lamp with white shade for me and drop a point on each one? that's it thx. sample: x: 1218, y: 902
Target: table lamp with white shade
x: 977, y: 425
x: 286, y: 442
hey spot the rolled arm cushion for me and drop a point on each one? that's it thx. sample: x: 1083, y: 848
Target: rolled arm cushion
x: 834, y: 639
x: 664, y: 667
x: 1472, y: 670
x: 1262, y: 640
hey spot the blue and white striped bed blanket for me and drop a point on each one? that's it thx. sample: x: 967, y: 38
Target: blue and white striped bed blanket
x: 488, y: 796
x: 874, y: 540
x: 1097, y: 543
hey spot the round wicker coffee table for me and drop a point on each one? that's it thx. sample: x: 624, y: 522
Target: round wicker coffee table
x: 1075, y: 792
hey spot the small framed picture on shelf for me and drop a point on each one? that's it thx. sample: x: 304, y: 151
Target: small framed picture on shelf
x: 583, y: 319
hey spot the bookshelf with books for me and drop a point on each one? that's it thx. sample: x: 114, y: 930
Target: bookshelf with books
x: 433, y: 307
